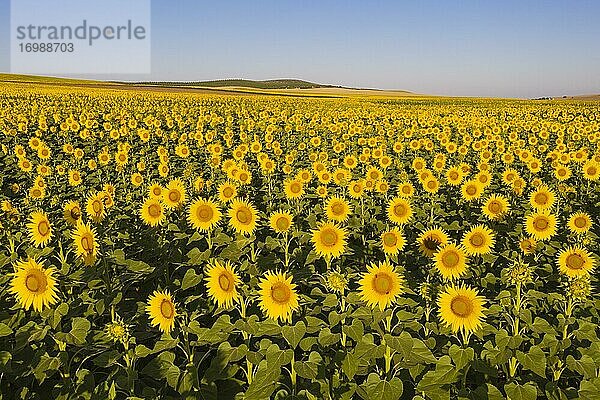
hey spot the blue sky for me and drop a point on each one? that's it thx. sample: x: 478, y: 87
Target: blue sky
x: 472, y: 48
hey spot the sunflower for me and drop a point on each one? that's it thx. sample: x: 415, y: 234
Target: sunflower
x: 591, y: 170
x: 461, y: 308
x: 431, y: 240
x: 495, y: 207
x: 471, y: 190
x: 392, y: 241
x: 406, y: 190
x: 451, y: 261
x: 575, y: 262
x: 336, y: 282
x: 337, y: 209
x: 399, y: 210
x: 40, y: 231
x: 381, y: 285
x: 174, y: 194
x: 84, y: 242
x: 454, y: 176
x: 204, y: 215
x: 356, y: 189
x: 33, y: 285
x: 542, y: 198
x: 528, y: 245
x: 580, y: 222
x: 242, y: 217
x: 293, y: 188
x: 155, y: 191
x: 72, y: 213
x: 541, y: 225
x: 227, y: 192
x: 479, y: 240
x: 221, y: 282
x: 281, y: 221
x: 329, y: 240
x: 95, y: 208
x: 161, y: 309
x: 152, y: 212
x: 278, y: 299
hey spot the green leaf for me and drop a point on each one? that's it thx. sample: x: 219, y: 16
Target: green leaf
x: 196, y: 257
x: 585, y: 366
x: 350, y: 365
x: 589, y: 390
x: 190, y: 279
x: 420, y: 353
x: 445, y: 373
x: 263, y: 383
x: 521, y: 392
x: 309, y: 369
x: 107, y: 358
x: 326, y: 338
x: 355, y: 331
x: 79, y: 329
x: 5, y: 330
x: 461, y: 357
x: 534, y: 360
x: 293, y: 334
x: 375, y: 388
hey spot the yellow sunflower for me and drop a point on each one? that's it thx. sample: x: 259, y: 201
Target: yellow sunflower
x: 528, y: 245
x: 381, y: 285
x: 221, y: 282
x: 392, y: 241
x: 227, y: 191
x: 84, y: 242
x: 40, y: 231
x: 329, y: 240
x: 242, y: 217
x: 451, y: 261
x: 152, y: 212
x: 542, y: 198
x: 575, y: 262
x: 461, y: 308
x: 541, y: 225
x: 162, y: 312
x: 431, y: 240
x: 204, y: 215
x: 471, y: 190
x: 155, y: 191
x: 399, y: 210
x: 479, y: 240
x: 95, y: 208
x: 281, y: 221
x: 580, y: 222
x: 72, y: 213
x: 278, y: 299
x: 174, y: 194
x: 495, y: 207
x: 293, y: 188
x: 337, y: 209
x: 34, y: 285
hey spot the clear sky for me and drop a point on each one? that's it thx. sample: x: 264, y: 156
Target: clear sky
x: 520, y: 48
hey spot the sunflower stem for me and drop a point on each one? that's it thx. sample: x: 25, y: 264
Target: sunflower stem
x: 388, y: 349
x: 246, y: 336
x: 568, y: 313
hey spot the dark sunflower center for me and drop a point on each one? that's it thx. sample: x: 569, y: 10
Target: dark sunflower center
x: 382, y: 283
x: 450, y: 259
x: 337, y: 208
x: 43, y: 228
x: 174, y: 196
x: 280, y: 293
x: 225, y: 282
x: 400, y: 210
x: 541, y: 198
x: 477, y: 240
x: 541, y: 223
x: 35, y: 282
x: 154, y: 210
x: 282, y: 223
x: 461, y: 306
x: 228, y: 192
x: 204, y: 213
x: 431, y: 243
x: 575, y: 261
x: 167, y: 309
x: 87, y: 242
x: 329, y: 237
x: 471, y: 190
x: 580, y: 222
x: 495, y: 206
x: 389, y: 239
x: 243, y: 215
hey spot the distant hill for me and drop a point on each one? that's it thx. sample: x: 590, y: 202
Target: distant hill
x: 247, y: 83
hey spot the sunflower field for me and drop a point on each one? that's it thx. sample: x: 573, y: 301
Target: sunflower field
x: 191, y: 246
